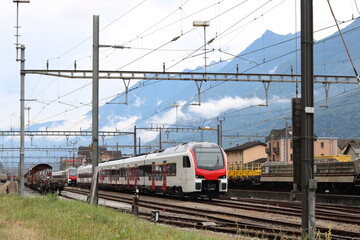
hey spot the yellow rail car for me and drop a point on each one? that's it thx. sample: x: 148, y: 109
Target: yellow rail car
x: 340, y: 158
x: 244, y: 172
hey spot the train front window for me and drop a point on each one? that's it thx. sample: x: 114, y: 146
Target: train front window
x: 209, y: 158
x: 73, y: 172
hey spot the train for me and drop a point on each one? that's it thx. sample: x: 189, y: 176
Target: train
x: 3, y: 177
x: 332, y: 176
x: 190, y: 170
x: 40, y: 178
x: 69, y: 176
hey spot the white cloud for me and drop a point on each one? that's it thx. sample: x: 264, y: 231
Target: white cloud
x: 168, y: 118
x: 147, y: 136
x: 272, y: 71
x: 120, y: 123
x: 73, y: 123
x: 138, y: 101
x: 213, y: 108
x: 158, y: 102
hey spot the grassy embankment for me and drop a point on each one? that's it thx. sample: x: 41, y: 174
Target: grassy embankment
x: 43, y: 218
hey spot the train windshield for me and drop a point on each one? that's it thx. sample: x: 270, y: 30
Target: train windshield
x: 209, y: 158
x: 72, y: 172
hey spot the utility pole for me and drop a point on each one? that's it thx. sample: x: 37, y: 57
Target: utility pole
x: 28, y: 109
x: 220, y: 131
x: 286, y: 143
x: 22, y: 120
x: 95, y: 114
x: 73, y: 150
x: 271, y: 147
x: 308, y: 183
x: 135, y: 141
x: 160, y: 145
x: 22, y: 97
x: 139, y: 145
x: 332, y: 142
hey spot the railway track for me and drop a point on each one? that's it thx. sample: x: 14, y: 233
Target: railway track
x: 338, y: 214
x: 201, y: 216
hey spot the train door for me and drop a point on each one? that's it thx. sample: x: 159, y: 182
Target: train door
x: 153, y: 171
x: 186, y: 174
x: 102, y: 176
x: 136, y: 176
x: 111, y: 177
x: 186, y: 164
x: 164, y: 172
x: 128, y: 177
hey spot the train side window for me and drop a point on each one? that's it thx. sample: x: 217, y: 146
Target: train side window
x: 186, y: 162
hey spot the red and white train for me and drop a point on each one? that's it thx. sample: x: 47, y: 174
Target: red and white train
x: 69, y: 176
x: 195, y: 169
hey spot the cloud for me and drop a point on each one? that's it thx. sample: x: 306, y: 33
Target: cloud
x: 170, y: 117
x: 120, y: 123
x: 213, y: 108
x: 158, y: 102
x: 272, y: 71
x: 75, y: 123
x: 147, y: 136
x: 138, y: 101
x: 80, y: 122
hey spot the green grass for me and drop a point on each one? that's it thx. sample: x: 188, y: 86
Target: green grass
x: 48, y: 217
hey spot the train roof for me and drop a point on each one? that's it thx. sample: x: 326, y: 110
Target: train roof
x: 40, y: 167
x: 181, y: 148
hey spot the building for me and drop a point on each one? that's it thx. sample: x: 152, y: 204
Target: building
x: 84, y: 154
x: 245, y: 153
x: 66, y: 163
x: 353, y: 149
x: 279, y: 146
x: 343, y: 143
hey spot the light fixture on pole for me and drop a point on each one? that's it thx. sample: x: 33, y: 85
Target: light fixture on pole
x: 17, y: 25
x: 203, y: 24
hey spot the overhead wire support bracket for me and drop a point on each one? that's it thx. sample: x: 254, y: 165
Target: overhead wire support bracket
x: 198, y: 86
x: 126, y: 85
x: 266, y: 85
x: 327, y: 88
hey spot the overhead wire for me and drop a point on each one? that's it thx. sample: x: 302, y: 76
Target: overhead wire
x: 344, y: 43
x: 357, y: 8
x: 85, y: 40
x: 170, y: 24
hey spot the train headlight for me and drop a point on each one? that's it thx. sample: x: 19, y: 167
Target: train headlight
x: 200, y: 177
x: 223, y: 186
x: 222, y: 177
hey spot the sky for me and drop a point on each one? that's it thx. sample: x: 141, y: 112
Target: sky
x: 60, y: 32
